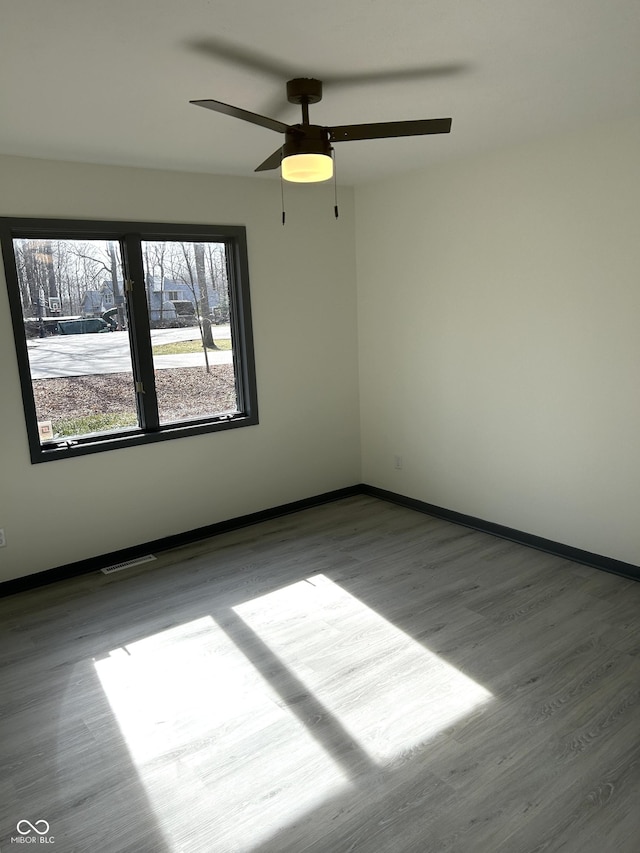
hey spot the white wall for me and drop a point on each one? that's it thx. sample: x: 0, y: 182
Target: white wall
x: 304, y: 315
x: 499, y: 326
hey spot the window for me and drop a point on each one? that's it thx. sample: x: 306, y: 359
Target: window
x: 106, y: 358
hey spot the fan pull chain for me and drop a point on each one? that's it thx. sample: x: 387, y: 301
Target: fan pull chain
x: 335, y: 188
x: 282, y: 196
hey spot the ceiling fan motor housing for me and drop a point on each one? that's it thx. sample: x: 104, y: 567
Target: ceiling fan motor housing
x: 306, y: 139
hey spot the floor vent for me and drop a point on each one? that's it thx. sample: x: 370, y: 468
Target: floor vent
x: 127, y: 564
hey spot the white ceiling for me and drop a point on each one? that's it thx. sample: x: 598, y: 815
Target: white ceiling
x: 110, y: 82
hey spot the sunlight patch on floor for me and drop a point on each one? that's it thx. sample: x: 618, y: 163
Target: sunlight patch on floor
x: 223, y: 761
x: 389, y: 692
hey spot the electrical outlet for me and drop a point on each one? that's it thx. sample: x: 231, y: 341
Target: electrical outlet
x: 3, y: 541
x: 397, y: 462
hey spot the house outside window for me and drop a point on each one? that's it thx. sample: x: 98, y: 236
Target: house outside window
x: 106, y: 358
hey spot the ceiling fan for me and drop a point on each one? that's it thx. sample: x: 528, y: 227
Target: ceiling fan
x: 306, y: 155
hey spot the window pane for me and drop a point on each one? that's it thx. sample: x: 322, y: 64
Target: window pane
x: 75, y: 322
x: 188, y: 299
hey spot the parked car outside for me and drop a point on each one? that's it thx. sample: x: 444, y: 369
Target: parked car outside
x: 84, y: 326
x: 42, y: 327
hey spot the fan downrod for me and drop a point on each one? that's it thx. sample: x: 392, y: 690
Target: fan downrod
x: 304, y: 90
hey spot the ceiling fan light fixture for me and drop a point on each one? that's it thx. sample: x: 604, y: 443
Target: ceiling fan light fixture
x: 307, y: 168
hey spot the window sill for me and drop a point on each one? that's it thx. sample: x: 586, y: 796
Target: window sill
x: 135, y: 438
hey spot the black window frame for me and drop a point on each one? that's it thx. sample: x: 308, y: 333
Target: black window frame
x: 130, y: 236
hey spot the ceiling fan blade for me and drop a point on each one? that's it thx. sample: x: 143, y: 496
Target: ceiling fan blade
x: 245, y: 115
x: 272, y: 162
x: 389, y: 129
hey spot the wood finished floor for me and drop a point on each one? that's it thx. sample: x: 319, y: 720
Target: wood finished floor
x: 354, y: 678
